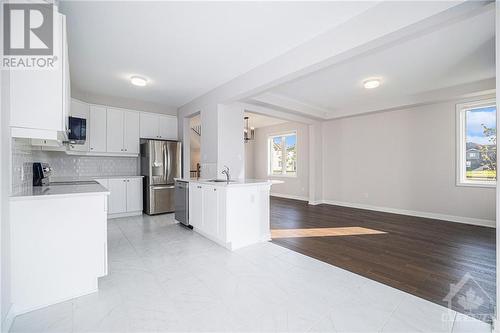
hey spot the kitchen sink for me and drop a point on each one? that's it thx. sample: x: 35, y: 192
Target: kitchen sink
x: 220, y: 181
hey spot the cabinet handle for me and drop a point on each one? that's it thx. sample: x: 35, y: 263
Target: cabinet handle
x: 199, y: 186
x: 125, y: 149
x: 91, y: 148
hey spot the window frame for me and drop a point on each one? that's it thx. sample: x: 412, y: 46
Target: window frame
x: 461, y: 154
x: 283, y: 174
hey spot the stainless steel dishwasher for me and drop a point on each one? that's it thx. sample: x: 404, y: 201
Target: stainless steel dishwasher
x: 182, y: 202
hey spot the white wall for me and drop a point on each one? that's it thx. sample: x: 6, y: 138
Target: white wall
x: 5, y: 165
x: 294, y: 187
x: 231, y: 152
x: 250, y: 160
x: 402, y: 159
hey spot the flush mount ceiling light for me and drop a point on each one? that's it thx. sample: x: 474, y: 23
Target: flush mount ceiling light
x: 371, y: 83
x: 138, y: 81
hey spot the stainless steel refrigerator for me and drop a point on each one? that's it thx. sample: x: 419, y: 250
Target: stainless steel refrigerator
x: 160, y: 164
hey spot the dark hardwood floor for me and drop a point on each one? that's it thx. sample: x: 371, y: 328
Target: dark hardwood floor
x: 417, y: 255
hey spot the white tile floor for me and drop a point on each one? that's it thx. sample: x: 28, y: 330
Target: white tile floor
x: 164, y: 278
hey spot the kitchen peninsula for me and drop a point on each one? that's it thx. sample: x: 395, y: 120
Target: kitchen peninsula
x: 234, y: 214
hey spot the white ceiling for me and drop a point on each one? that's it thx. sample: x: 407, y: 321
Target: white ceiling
x: 457, y: 54
x: 186, y: 49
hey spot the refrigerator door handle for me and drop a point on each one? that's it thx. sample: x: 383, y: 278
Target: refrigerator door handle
x: 165, y: 162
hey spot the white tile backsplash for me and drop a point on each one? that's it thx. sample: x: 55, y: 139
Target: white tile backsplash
x: 64, y: 165
x: 22, y: 166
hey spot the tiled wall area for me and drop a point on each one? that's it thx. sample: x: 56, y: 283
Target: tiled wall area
x: 22, y: 169
x: 64, y: 165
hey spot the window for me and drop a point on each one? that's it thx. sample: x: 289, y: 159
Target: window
x: 283, y: 155
x: 477, y: 139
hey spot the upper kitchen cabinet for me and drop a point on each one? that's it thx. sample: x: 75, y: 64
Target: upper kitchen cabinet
x: 97, y: 129
x: 156, y: 126
x: 122, y: 131
x: 168, y: 127
x: 39, y: 99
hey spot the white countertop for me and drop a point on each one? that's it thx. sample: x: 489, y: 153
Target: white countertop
x: 235, y: 182
x: 37, y: 192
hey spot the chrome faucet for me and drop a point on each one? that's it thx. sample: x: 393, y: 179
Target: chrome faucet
x: 226, y: 172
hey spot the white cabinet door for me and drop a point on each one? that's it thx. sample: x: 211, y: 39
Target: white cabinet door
x: 114, y: 135
x: 149, y: 125
x: 211, y: 210
x: 37, y: 97
x: 97, y: 129
x: 131, y: 132
x: 168, y: 127
x: 195, y: 205
x: 80, y: 109
x: 134, y: 194
x: 117, y: 202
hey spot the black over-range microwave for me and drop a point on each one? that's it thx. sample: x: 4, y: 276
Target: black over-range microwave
x: 77, y: 133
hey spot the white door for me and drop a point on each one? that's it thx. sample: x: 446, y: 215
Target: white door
x: 149, y: 126
x: 131, y: 132
x: 117, y: 202
x: 114, y: 133
x: 168, y: 127
x: 195, y: 205
x: 211, y: 211
x: 97, y: 129
x: 80, y: 109
x: 134, y: 194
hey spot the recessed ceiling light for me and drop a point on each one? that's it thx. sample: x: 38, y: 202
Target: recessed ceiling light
x: 138, y: 81
x: 371, y: 83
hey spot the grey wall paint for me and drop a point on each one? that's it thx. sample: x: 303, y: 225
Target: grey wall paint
x: 402, y: 159
x: 296, y: 186
x: 121, y: 102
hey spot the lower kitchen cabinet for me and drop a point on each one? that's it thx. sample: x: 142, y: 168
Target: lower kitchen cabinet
x: 125, y: 198
x: 234, y: 215
x: 206, y: 210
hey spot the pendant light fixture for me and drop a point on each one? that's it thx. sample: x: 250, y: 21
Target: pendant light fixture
x: 248, y: 132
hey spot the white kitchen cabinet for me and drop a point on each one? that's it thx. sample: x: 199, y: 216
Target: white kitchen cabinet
x: 195, y: 205
x: 117, y: 201
x: 39, y: 99
x: 125, y: 198
x: 149, y: 126
x: 122, y: 134
x: 156, y: 126
x: 206, y: 210
x: 168, y: 127
x: 115, y: 130
x: 211, y: 210
x: 97, y: 129
x: 134, y: 194
x: 131, y: 132
x: 80, y: 109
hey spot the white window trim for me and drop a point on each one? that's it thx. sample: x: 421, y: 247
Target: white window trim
x: 461, y: 179
x: 283, y: 168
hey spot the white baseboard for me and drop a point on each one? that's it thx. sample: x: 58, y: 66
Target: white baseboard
x: 451, y: 218
x: 9, y: 319
x: 315, y: 202
x: 289, y: 196
x: 128, y: 214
